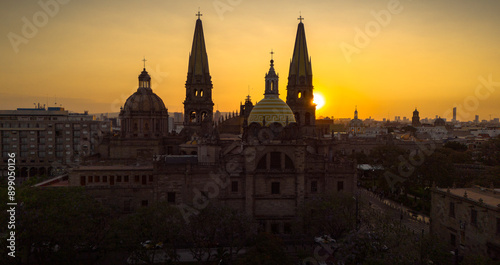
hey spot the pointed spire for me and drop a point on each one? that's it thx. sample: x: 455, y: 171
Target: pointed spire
x: 198, y: 71
x: 300, y: 65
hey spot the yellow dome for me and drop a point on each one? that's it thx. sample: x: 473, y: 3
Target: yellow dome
x: 273, y: 109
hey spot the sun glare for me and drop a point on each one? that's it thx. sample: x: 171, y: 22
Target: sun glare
x: 319, y: 100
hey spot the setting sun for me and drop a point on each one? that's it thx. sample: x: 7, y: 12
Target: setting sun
x: 319, y: 100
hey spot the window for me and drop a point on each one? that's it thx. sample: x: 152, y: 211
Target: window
x: 97, y: 178
x: 275, y: 160
x: 144, y: 203
x: 234, y: 186
x: 144, y: 180
x: 90, y: 179
x: 171, y: 197
x: 453, y: 239
x: 136, y: 178
x: 118, y: 178
x: 125, y: 178
x: 287, y: 228
x: 340, y: 185
x: 314, y: 186
x: 275, y: 188
x: 452, y: 209
x: 275, y: 228
x: 104, y: 178
x: 473, y: 217
x: 82, y: 181
x: 150, y: 178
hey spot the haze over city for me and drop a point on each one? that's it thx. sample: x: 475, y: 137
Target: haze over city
x: 87, y: 55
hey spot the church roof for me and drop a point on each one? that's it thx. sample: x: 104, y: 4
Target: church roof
x: 300, y: 65
x: 271, y: 109
x: 198, y: 59
x: 144, y: 100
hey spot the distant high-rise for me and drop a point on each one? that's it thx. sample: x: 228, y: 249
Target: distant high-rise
x: 476, y: 120
x: 454, y: 114
x: 415, y: 120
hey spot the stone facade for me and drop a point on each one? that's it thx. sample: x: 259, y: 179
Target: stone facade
x: 468, y: 220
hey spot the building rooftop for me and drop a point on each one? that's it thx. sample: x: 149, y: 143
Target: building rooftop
x: 490, y: 197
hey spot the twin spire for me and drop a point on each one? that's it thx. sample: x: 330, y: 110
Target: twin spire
x: 300, y: 65
x: 198, y: 71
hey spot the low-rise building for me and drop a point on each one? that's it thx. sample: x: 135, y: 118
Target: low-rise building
x: 468, y: 219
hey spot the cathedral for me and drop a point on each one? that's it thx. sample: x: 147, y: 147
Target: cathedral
x: 265, y: 161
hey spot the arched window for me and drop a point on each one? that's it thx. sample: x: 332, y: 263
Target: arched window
x: 299, y: 95
x: 275, y: 161
x: 201, y: 93
x: 192, y: 116
x: 204, y: 115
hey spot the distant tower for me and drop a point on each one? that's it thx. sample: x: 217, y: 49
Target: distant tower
x: 300, y: 87
x: 415, y: 120
x: 198, y: 105
x: 454, y: 114
x: 356, y: 113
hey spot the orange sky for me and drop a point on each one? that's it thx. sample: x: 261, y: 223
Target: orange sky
x: 428, y: 54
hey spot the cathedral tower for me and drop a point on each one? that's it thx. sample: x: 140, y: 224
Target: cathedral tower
x: 198, y: 105
x: 300, y: 88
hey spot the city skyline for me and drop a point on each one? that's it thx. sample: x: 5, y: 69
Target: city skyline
x: 86, y: 56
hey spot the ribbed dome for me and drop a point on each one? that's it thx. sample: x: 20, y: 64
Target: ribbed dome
x: 144, y: 100
x: 273, y: 109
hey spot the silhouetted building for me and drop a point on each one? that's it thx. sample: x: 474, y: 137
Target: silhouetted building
x: 46, y: 141
x: 300, y: 87
x: 468, y: 219
x: 198, y: 105
x: 415, y: 120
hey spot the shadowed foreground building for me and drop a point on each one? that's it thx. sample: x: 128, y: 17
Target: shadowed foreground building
x: 267, y: 171
x: 468, y: 219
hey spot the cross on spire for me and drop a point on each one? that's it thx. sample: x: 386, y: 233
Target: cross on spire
x: 272, y: 53
x: 199, y: 14
x: 300, y: 17
x: 144, y: 60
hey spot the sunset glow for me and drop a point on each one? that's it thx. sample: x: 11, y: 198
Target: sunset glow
x: 87, y: 57
x: 319, y: 100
